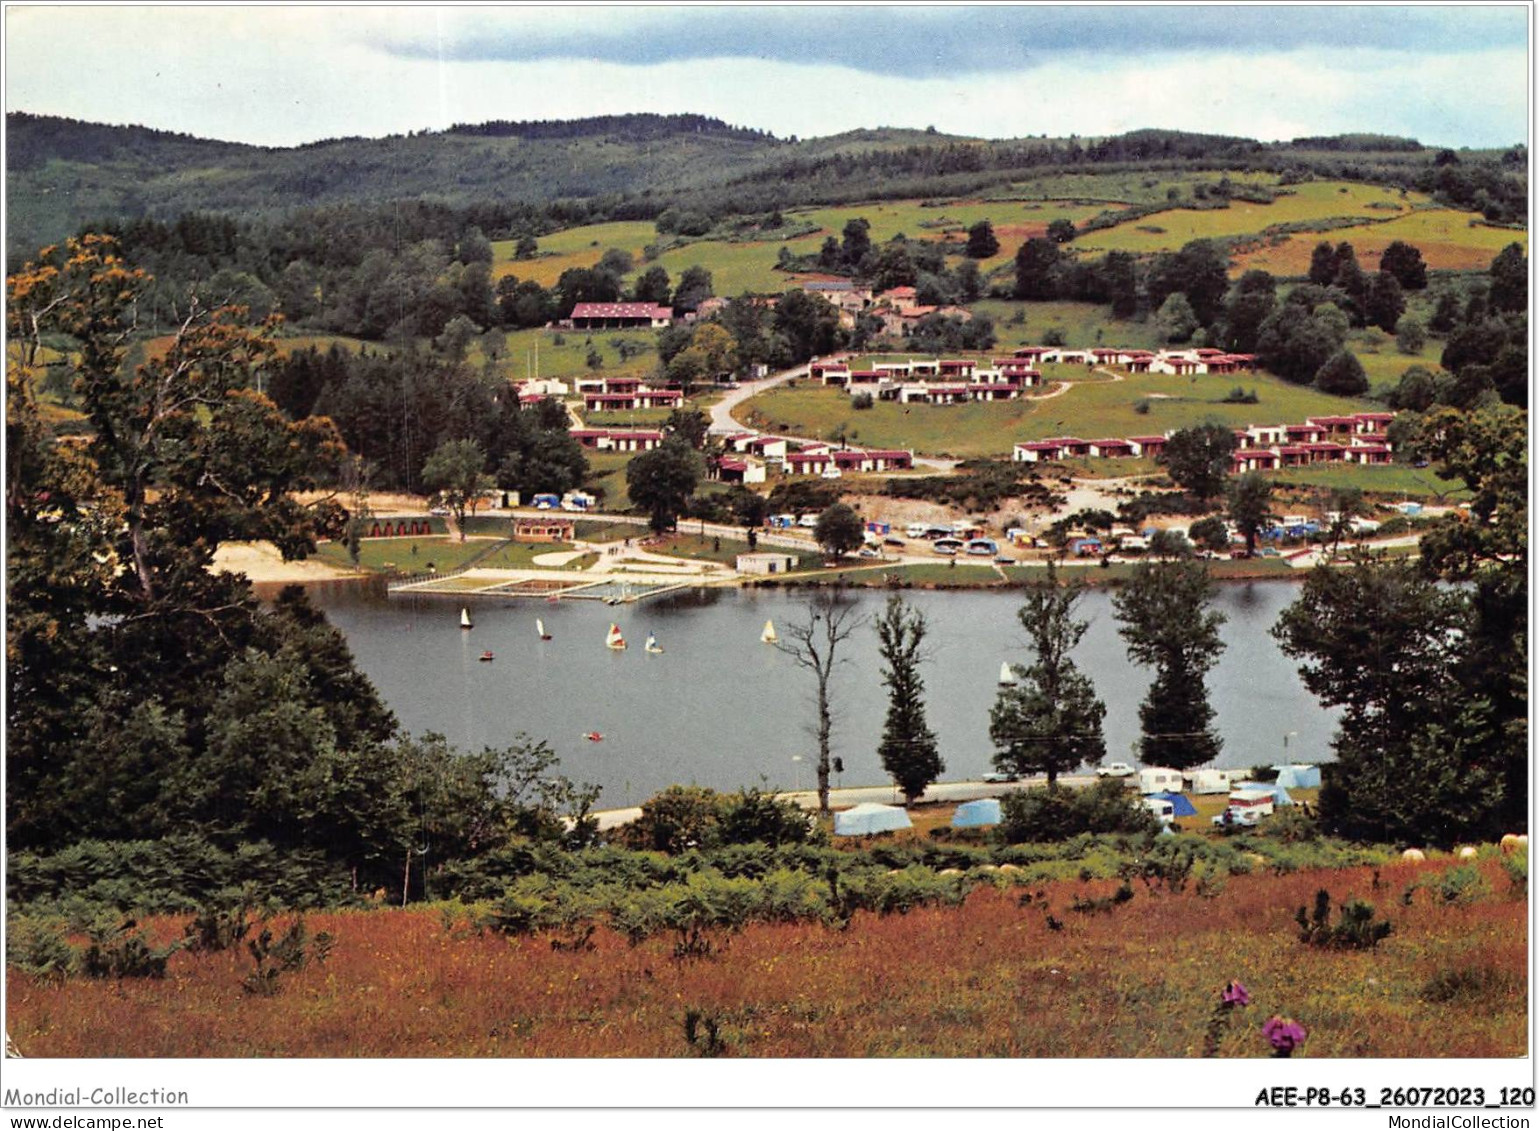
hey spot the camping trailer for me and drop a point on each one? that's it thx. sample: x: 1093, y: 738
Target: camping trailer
x: 1259, y: 802
x: 1159, y: 780
x: 1210, y: 781
x: 1164, y: 812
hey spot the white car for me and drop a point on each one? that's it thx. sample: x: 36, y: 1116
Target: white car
x: 998, y: 776
x: 1115, y: 770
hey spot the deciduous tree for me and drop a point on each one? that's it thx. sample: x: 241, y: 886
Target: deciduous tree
x: 814, y: 645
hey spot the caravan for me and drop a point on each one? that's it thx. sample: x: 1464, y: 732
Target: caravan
x: 1159, y: 780
x: 1210, y: 781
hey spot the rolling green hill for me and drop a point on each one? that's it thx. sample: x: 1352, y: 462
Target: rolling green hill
x: 62, y: 173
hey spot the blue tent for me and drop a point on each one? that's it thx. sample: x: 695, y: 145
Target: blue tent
x: 863, y: 820
x: 973, y: 814
x: 1181, y: 806
x: 1298, y: 777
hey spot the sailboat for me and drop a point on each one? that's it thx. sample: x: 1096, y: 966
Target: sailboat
x: 540, y: 627
x: 768, y: 635
x: 488, y: 656
x: 1006, y: 676
x: 653, y: 646
x: 465, y: 619
x: 614, y: 639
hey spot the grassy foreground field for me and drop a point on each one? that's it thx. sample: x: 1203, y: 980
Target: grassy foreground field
x: 1447, y: 240
x: 990, y: 977
x: 1093, y: 409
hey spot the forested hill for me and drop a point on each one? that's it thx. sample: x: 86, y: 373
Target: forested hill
x: 62, y: 174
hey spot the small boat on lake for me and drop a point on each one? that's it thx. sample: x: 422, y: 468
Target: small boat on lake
x: 488, y: 656
x: 614, y: 639
x: 465, y: 619
x: 594, y: 736
x: 653, y: 647
x: 768, y: 636
x: 540, y: 628
x: 1006, y: 676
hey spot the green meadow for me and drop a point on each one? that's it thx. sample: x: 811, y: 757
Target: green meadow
x: 1095, y: 409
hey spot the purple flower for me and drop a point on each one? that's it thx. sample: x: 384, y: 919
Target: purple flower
x: 1285, y: 1034
x: 1235, y: 993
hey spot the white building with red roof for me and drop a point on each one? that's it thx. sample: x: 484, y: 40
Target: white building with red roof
x: 620, y: 316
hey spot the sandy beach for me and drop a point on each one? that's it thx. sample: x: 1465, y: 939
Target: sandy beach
x: 261, y: 562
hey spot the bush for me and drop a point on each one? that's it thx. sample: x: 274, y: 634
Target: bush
x: 116, y: 953
x: 38, y: 948
x: 278, y: 955
x: 753, y: 816
x: 1355, y: 927
x: 862, y: 401
x: 1058, y: 814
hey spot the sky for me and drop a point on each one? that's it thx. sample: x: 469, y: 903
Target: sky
x: 279, y: 75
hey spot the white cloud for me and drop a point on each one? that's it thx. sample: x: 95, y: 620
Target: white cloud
x: 290, y: 75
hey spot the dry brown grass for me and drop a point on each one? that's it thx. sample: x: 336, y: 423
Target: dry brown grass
x: 987, y: 979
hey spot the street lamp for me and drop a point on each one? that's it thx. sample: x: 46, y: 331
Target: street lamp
x: 1288, y: 735
x: 797, y: 760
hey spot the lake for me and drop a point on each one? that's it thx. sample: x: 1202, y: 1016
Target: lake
x: 721, y: 709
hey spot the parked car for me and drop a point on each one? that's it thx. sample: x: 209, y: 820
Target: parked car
x: 868, y: 552
x: 900, y: 543
x: 1232, y: 818
x: 1004, y: 560
x: 997, y: 776
x: 1115, y: 770
x: 439, y: 512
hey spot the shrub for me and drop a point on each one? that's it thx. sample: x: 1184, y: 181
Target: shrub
x: 1058, y: 814
x: 1516, y: 867
x: 1291, y: 825
x: 116, y: 953
x: 278, y: 955
x: 1466, y: 984
x: 1355, y: 927
x: 679, y: 818
x: 753, y: 816
x: 862, y: 401
x: 216, y: 928
x: 38, y: 948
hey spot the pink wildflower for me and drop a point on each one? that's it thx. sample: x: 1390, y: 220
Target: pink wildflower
x: 1235, y: 993
x: 1285, y: 1034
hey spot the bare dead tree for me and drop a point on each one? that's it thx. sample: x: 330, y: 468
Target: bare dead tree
x: 814, y: 644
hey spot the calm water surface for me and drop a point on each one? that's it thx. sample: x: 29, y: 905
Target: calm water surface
x: 721, y: 709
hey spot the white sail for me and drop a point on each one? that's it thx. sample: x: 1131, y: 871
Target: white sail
x: 1006, y: 676
x: 539, y: 626
x: 614, y: 639
x: 464, y: 618
x: 653, y: 646
x: 768, y: 635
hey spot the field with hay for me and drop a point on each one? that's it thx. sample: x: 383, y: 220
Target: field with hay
x: 1311, y: 203
x: 1447, y: 239
x: 1067, y: 968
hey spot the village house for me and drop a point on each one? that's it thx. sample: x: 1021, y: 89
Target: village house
x: 620, y: 316
x: 639, y: 398
x: 617, y: 439
x: 730, y: 469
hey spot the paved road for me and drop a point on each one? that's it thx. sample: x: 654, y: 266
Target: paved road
x: 881, y: 794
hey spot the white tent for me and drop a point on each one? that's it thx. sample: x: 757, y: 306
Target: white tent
x: 972, y: 814
x: 1298, y: 776
x: 863, y: 820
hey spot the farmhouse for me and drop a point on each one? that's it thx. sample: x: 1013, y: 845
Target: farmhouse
x: 620, y: 315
